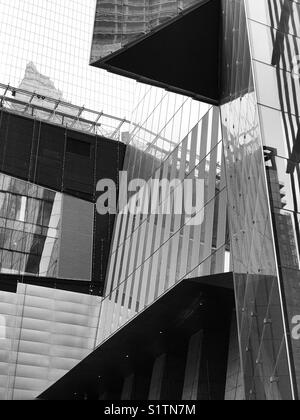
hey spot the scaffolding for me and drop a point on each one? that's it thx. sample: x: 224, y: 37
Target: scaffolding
x: 56, y: 111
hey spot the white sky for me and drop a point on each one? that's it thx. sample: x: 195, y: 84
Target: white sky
x: 56, y: 35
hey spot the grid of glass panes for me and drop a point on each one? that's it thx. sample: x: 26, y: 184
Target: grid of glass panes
x: 56, y: 36
x: 30, y: 223
x: 265, y: 360
x: 275, y: 48
x: 152, y: 252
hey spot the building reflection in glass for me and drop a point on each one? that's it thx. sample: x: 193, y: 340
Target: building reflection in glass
x: 152, y: 252
x: 264, y: 346
x: 275, y: 45
x: 30, y: 224
x: 118, y: 23
x: 287, y: 239
x: 32, y: 241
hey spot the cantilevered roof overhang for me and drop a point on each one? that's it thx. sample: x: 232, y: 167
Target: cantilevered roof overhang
x: 203, y: 303
x: 182, y: 55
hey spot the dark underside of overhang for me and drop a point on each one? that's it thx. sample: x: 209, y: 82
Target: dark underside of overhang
x: 9, y: 283
x: 181, y: 56
x: 166, y: 326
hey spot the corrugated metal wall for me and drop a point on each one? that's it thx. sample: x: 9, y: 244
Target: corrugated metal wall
x: 47, y: 332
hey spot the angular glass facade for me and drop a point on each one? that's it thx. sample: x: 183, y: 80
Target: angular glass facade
x: 263, y: 231
x: 53, y: 247
x: 241, y: 159
x: 275, y: 47
x: 259, y: 104
x: 118, y: 23
x: 153, y: 251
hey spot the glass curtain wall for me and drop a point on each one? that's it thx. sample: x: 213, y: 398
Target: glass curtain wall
x: 274, y: 28
x: 117, y: 22
x: 263, y: 335
x: 154, y: 250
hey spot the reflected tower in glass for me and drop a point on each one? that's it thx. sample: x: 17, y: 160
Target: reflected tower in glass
x: 188, y: 311
x: 118, y: 24
x: 61, y: 121
x: 258, y: 104
x: 55, y: 37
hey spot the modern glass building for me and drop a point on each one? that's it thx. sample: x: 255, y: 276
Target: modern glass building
x: 55, y: 110
x: 192, y: 305
x: 54, y: 246
x: 117, y: 23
